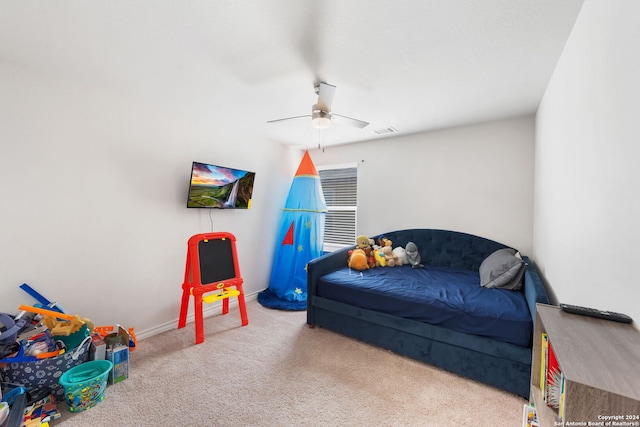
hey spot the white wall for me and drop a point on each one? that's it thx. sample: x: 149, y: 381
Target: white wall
x: 476, y: 179
x: 587, y: 202
x: 93, y: 192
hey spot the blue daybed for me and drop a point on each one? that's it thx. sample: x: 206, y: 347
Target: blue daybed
x: 439, y: 314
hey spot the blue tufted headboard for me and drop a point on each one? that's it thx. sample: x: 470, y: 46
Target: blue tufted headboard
x: 445, y: 248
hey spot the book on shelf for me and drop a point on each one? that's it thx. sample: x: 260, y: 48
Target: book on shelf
x: 543, y: 363
x: 561, y: 408
x: 529, y: 416
x: 553, y: 384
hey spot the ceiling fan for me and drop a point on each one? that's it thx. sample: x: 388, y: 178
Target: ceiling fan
x: 321, y: 115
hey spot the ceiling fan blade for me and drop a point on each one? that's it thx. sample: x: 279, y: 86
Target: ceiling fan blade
x: 344, y: 120
x: 325, y: 96
x: 308, y: 36
x: 288, y: 118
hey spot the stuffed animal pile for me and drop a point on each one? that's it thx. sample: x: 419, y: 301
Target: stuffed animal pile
x: 368, y: 254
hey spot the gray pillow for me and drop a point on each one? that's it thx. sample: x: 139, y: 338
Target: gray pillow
x: 502, y: 269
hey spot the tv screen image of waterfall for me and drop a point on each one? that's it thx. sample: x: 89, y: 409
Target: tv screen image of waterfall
x: 219, y: 187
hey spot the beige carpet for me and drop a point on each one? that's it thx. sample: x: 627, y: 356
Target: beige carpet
x: 278, y: 372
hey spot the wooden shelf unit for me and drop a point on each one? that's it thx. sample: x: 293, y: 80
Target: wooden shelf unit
x: 600, y: 360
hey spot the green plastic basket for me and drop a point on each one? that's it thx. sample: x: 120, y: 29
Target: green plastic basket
x: 84, y: 384
x: 73, y: 340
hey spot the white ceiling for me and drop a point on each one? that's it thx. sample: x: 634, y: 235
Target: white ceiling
x: 415, y: 65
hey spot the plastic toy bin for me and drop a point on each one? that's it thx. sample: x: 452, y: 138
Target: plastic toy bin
x: 84, y: 384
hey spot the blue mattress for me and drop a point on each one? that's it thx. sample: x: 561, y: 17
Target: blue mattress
x: 446, y: 297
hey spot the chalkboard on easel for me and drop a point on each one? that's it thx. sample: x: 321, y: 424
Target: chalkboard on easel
x: 216, y: 260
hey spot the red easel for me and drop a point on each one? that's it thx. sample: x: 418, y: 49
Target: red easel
x: 212, y: 269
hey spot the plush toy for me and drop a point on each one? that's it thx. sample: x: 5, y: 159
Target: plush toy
x: 362, y: 241
x: 358, y: 260
x: 413, y: 256
x: 378, y: 255
x: 365, y: 243
x: 390, y: 259
x: 383, y: 241
x: 401, y: 255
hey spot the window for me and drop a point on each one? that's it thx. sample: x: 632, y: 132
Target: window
x: 340, y: 188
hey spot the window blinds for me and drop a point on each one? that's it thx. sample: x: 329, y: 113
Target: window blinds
x: 340, y: 187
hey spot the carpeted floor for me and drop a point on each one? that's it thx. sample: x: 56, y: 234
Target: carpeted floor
x: 278, y: 372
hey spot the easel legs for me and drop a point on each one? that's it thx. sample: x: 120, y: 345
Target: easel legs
x: 184, y: 306
x: 197, y: 300
x: 198, y: 312
x: 243, y: 309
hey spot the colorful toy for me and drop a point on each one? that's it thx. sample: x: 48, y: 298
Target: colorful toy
x: 20, y: 356
x: 209, y: 254
x: 84, y: 385
x: 46, y: 312
x: 358, y: 260
x: 52, y: 320
x: 362, y: 242
x: 391, y: 259
x: 366, y: 244
x: 378, y: 255
x: 383, y: 241
x: 103, y: 331
x: 40, y: 409
x: 42, y: 301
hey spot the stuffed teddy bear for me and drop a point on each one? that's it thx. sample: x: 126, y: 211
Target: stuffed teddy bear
x: 358, y: 260
x: 390, y: 258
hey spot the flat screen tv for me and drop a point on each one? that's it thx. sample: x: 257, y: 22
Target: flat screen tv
x: 219, y: 187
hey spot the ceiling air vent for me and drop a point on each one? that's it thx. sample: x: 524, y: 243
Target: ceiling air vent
x: 385, y: 131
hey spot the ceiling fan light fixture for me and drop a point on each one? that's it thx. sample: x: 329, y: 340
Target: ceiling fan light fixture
x: 320, y: 119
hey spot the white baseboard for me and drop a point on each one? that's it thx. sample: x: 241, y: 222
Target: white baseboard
x: 210, y: 310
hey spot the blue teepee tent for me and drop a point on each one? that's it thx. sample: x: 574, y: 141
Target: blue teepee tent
x: 300, y: 239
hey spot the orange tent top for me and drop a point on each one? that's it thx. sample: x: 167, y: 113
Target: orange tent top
x: 306, y: 166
